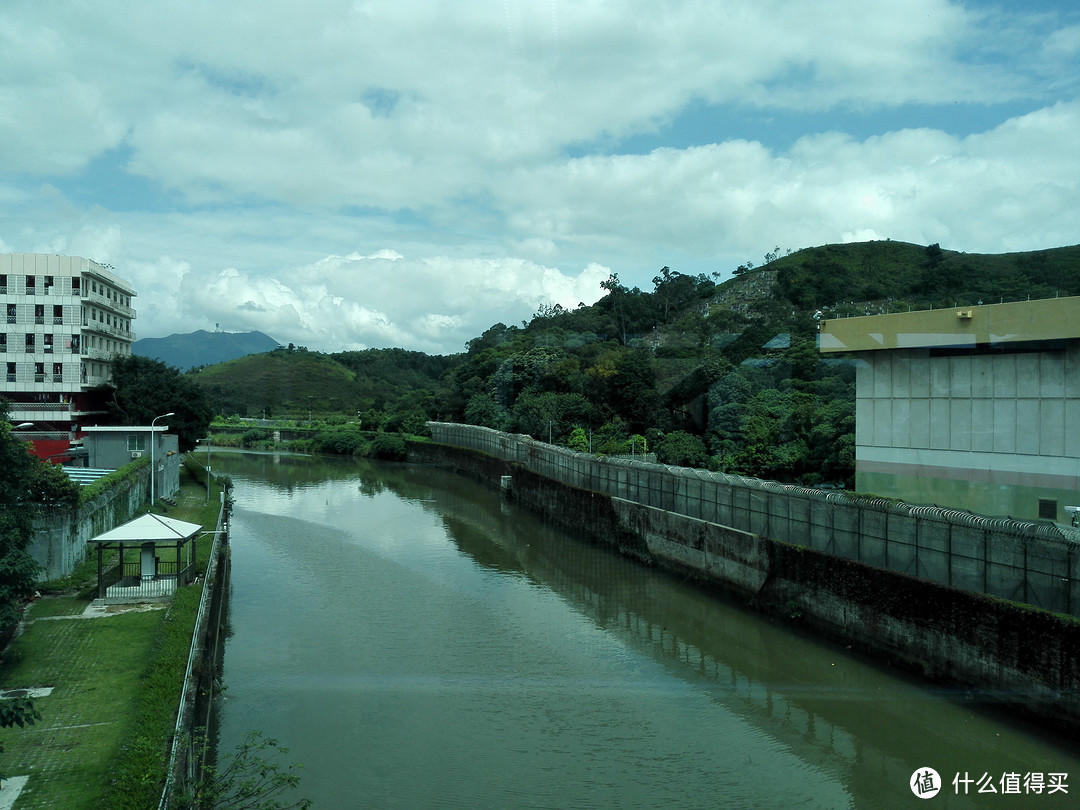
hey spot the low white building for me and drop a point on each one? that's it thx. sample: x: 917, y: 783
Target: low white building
x: 976, y: 408
x: 110, y: 448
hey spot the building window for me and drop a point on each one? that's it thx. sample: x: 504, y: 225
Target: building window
x: 3, y: 284
x: 47, y: 340
x: 3, y: 342
x: 58, y: 372
x: 58, y: 313
x: 30, y: 342
x: 11, y: 312
x: 11, y: 372
x: 136, y: 442
x: 39, y: 372
x: 74, y: 285
x: 30, y: 285
x: 48, y: 284
x: 1047, y: 509
x: 39, y: 313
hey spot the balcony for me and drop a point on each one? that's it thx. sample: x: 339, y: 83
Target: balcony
x: 105, y: 329
x: 110, y: 304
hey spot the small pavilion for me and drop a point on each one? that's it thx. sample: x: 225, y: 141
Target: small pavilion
x: 156, y: 554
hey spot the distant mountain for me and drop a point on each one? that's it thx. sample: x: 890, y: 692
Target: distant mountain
x: 203, y: 348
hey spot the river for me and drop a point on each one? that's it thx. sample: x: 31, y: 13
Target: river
x: 418, y: 642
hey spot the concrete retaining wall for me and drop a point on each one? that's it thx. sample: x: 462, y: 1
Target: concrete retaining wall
x: 1033, y: 562
x: 1028, y: 658
x: 59, y: 542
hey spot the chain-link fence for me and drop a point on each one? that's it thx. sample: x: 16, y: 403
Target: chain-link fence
x: 1031, y: 562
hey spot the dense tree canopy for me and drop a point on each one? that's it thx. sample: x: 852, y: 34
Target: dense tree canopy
x: 28, y: 486
x: 144, y: 388
x: 726, y: 376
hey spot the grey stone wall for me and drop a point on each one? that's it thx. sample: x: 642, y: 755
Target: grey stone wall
x: 60, y: 540
x: 1032, y: 562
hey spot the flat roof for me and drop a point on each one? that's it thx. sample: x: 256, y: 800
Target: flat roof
x: 957, y: 327
x: 124, y: 428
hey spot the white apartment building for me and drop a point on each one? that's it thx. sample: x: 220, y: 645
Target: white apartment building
x: 66, y: 318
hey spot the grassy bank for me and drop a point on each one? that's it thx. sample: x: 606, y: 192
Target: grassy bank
x: 104, y: 732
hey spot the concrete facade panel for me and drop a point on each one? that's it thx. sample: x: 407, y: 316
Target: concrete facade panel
x: 960, y: 424
x: 1052, y: 374
x: 900, y: 434
x: 882, y: 422
x: 1005, y: 376
x: 920, y: 423
x: 982, y: 425
x: 982, y: 376
x: 1072, y: 425
x: 939, y: 424
x: 865, y: 420
x: 919, y: 374
x: 1005, y: 425
x: 901, y: 376
x: 1052, y: 427
x: 882, y: 377
x: 1028, y: 383
x: 940, y: 379
x: 1027, y: 424
x: 960, y: 377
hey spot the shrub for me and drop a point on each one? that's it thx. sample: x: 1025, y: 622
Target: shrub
x: 388, y: 446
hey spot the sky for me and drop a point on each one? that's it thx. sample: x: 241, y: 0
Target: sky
x: 350, y: 175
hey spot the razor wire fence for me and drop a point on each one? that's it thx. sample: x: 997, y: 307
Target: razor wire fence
x: 1025, y: 561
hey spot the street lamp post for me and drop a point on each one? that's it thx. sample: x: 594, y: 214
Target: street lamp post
x: 206, y: 443
x: 153, y: 464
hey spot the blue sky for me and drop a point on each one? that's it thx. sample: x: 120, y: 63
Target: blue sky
x: 345, y: 175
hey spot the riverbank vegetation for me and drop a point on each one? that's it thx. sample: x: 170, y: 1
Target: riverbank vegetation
x: 719, y: 375
x: 102, y: 740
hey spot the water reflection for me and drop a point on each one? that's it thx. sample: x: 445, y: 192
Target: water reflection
x: 431, y: 645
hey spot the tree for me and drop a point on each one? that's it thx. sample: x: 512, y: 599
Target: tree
x: 144, y: 388
x: 17, y: 711
x: 28, y: 486
x: 682, y: 449
x: 579, y: 440
x: 250, y: 780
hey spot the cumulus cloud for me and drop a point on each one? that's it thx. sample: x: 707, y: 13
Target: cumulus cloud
x: 360, y: 301
x: 246, y: 167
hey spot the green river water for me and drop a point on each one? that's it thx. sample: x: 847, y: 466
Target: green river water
x: 418, y: 642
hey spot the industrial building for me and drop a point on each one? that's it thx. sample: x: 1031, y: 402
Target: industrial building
x: 67, y: 317
x: 975, y: 408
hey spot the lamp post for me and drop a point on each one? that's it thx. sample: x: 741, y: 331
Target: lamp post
x: 206, y: 443
x: 153, y: 467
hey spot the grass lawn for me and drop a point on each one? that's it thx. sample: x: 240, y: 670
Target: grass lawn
x: 109, y: 676
x: 95, y: 666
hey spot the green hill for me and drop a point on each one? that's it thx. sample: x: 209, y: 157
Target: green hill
x: 294, y: 382
x: 724, y: 375
x: 835, y: 275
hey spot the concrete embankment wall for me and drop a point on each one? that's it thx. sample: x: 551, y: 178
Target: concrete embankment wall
x: 1032, y: 562
x: 59, y: 542
x: 1029, y: 659
x: 195, y: 715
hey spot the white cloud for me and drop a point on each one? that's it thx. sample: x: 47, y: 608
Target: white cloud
x: 434, y: 304
x: 243, y: 163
